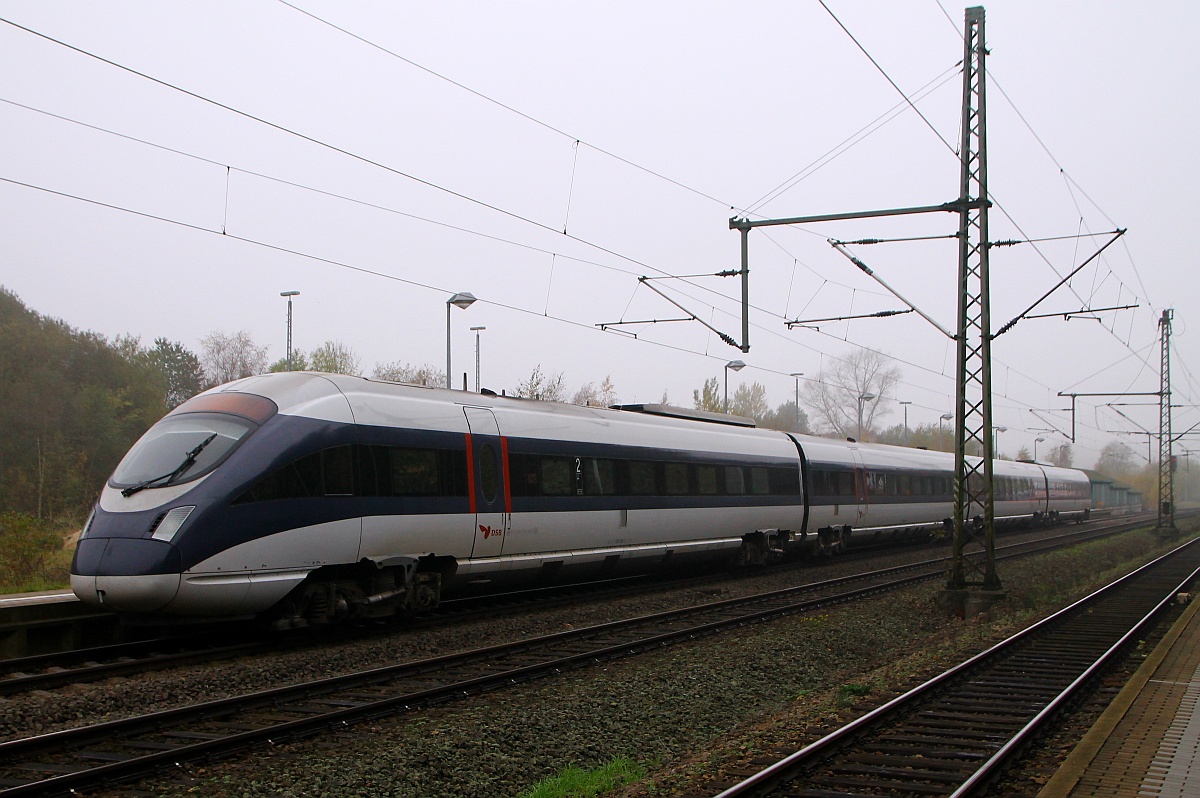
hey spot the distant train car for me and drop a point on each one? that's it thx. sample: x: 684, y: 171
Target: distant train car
x: 309, y: 498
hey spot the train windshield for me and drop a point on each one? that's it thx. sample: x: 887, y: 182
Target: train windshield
x: 162, y: 455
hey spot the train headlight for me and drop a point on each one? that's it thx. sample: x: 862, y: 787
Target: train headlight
x: 170, y: 523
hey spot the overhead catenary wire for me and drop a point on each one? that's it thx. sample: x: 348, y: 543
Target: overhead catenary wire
x: 553, y: 255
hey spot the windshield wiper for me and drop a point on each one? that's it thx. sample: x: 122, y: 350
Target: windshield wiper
x: 188, y: 461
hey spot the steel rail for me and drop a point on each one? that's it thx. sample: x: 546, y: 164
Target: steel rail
x: 727, y: 612
x: 764, y: 781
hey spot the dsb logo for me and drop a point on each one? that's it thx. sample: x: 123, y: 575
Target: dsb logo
x: 488, y: 532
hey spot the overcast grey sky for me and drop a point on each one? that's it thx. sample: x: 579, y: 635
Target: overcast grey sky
x: 428, y: 148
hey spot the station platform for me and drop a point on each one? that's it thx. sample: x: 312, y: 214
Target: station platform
x: 1147, y: 743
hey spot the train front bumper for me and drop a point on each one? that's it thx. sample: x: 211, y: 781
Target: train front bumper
x: 126, y: 574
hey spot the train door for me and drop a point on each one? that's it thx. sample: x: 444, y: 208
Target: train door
x: 486, y: 483
x: 862, y: 491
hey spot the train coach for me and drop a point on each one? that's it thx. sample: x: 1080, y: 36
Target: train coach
x: 306, y: 498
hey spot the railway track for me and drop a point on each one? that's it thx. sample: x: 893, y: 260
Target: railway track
x: 957, y: 733
x: 51, y: 671
x: 122, y: 750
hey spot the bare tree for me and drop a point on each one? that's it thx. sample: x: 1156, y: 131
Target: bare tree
x: 225, y: 358
x: 396, y: 371
x: 835, y: 397
x: 604, y: 395
x: 1116, y: 460
x: 335, y: 357
x: 541, y: 386
x: 1061, y: 456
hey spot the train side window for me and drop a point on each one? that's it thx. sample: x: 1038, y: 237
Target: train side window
x: 337, y: 471
x: 558, y: 476
x: 599, y: 477
x: 706, y: 480
x: 760, y: 481
x: 523, y: 471
x: 677, y: 479
x: 414, y: 472
x: 641, y: 478
x: 735, y: 484
x: 489, y: 479
x: 452, y: 466
x: 296, y: 480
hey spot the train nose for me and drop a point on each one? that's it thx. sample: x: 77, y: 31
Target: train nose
x: 126, y: 574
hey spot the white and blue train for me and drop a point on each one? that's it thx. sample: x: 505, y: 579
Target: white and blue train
x: 308, y: 498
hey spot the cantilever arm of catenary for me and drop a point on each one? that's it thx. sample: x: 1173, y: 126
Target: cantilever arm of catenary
x: 723, y: 336
x: 867, y: 271
x: 1120, y: 231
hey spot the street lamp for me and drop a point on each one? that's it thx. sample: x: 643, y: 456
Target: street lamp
x: 462, y: 300
x: 905, y: 406
x: 995, y: 440
x: 477, y: 330
x: 942, y: 427
x: 1036, y: 441
x: 797, y: 375
x: 289, y: 295
x: 736, y: 365
x: 866, y: 397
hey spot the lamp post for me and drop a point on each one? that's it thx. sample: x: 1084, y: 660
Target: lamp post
x: 866, y: 397
x: 905, y: 406
x: 289, y: 295
x: 1036, y: 441
x: 736, y: 365
x: 942, y: 427
x: 477, y: 330
x: 464, y: 300
x: 996, y: 440
x: 797, y: 375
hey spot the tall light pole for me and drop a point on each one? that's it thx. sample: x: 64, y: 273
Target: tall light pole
x: 736, y: 365
x: 464, y: 300
x: 289, y: 295
x: 905, y: 406
x: 1036, y: 441
x: 477, y: 330
x: 996, y: 440
x: 942, y: 426
x: 862, y: 400
x: 797, y: 375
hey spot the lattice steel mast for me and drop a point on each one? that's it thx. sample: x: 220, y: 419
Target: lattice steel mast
x: 974, y: 507
x: 1166, y: 482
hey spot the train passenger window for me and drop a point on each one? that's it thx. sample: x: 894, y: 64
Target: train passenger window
x: 641, y: 478
x: 414, y: 472
x: 760, y: 481
x: 706, y: 480
x: 677, y: 479
x: 294, y: 481
x: 558, y: 476
x: 598, y: 477
x: 735, y: 485
x: 489, y: 474
x: 904, y: 485
x: 337, y: 471
x: 785, y: 481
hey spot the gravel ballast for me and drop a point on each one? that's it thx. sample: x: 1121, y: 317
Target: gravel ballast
x: 681, y: 713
